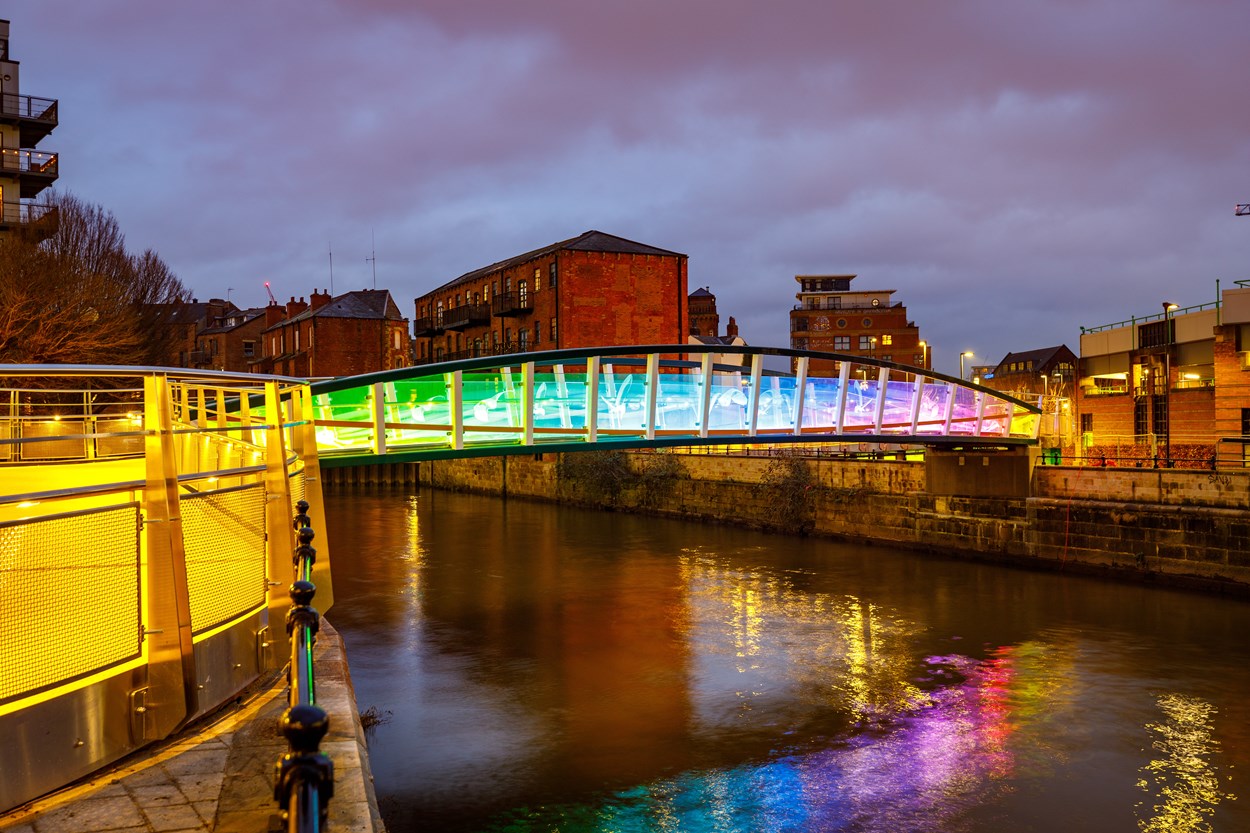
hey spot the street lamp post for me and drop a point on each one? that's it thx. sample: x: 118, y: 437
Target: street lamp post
x: 962, y: 356
x: 1168, y: 306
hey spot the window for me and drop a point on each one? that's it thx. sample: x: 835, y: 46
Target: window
x: 523, y: 292
x: 551, y: 275
x: 507, y: 284
x: 457, y: 299
x: 494, y: 339
x: 523, y: 337
x: 538, y: 281
x: 395, y: 339
x: 249, y: 349
x: 917, y: 360
x: 494, y: 287
x: 887, y: 340
x: 865, y: 342
x: 1140, y: 413
x: 842, y: 343
x: 1087, y: 423
x: 1159, y: 417
x: 538, y: 333
x: 798, y: 325
x: 507, y: 336
x: 553, y: 322
x: 799, y: 343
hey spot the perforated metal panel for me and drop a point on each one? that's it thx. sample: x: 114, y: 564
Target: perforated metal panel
x: 223, y: 534
x: 70, y: 586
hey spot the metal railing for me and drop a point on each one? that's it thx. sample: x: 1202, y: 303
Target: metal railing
x: 512, y: 303
x: 172, y: 496
x: 1145, y: 319
x: 25, y: 213
x: 29, y: 107
x: 22, y: 160
x: 464, y: 315
x: 305, y: 777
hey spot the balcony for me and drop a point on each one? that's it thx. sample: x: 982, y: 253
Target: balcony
x: 41, y: 221
x: 509, y: 304
x: 457, y: 318
x: 35, y: 117
x: 426, y: 327
x: 34, y: 169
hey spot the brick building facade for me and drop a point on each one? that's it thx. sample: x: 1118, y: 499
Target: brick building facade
x: 357, y: 332
x: 833, y: 318
x: 1168, y: 387
x: 594, y: 290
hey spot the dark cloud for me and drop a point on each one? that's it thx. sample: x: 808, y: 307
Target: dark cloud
x: 1014, y: 170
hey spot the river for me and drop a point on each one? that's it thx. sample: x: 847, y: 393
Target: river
x: 543, y: 668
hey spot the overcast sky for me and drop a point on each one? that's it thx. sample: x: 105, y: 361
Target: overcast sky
x: 1013, y: 169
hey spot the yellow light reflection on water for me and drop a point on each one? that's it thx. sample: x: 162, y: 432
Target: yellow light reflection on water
x: 1183, y: 778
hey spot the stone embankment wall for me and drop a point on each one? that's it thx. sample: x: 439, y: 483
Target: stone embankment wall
x: 1182, y: 527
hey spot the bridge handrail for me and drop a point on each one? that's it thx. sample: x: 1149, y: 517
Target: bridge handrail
x: 305, y: 781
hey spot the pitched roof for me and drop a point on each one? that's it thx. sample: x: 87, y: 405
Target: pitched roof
x: 1040, y: 357
x: 362, y: 303
x: 701, y: 292
x: 590, y: 241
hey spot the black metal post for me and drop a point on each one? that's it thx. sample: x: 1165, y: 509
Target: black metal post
x: 304, y: 783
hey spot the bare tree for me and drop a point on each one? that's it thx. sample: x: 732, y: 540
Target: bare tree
x: 80, y: 298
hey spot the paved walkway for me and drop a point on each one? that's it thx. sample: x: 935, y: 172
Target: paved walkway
x: 217, y: 777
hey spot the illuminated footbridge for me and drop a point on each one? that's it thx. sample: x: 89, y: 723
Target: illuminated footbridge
x: 654, y: 396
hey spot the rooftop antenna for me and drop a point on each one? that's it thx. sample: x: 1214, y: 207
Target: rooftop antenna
x: 229, y: 289
x: 374, y: 259
x: 330, y: 247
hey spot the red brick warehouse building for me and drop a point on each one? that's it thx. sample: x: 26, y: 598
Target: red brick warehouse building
x: 595, y: 290
x: 356, y: 332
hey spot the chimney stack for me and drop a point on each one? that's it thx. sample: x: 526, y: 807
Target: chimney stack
x: 294, y: 307
x: 319, y: 299
x: 273, y: 313
x: 731, y: 329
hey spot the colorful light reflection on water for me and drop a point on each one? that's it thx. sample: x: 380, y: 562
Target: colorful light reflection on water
x: 549, y: 669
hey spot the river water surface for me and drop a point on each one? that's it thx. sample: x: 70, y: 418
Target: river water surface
x: 541, y: 668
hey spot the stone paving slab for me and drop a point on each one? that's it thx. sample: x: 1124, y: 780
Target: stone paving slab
x: 217, y: 776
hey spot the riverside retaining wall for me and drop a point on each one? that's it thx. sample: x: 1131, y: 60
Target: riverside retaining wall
x: 1181, y: 527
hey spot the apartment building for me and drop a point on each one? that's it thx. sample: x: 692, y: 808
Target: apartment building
x: 353, y: 333
x: 593, y: 290
x: 25, y: 171
x: 833, y: 317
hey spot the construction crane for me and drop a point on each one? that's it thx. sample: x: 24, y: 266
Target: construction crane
x: 272, y: 299
x: 1243, y: 210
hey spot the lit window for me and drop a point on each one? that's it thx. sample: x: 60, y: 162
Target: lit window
x: 553, y: 321
x: 887, y: 339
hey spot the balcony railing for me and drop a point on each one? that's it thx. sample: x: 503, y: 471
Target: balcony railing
x: 477, y: 353
x: 426, y: 326
x: 43, y: 219
x: 37, y: 116
x: 512, y: 303
x: 25, y: 161
x: 457, y: 318
x: 36, y: 168
x: 828, y: 305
